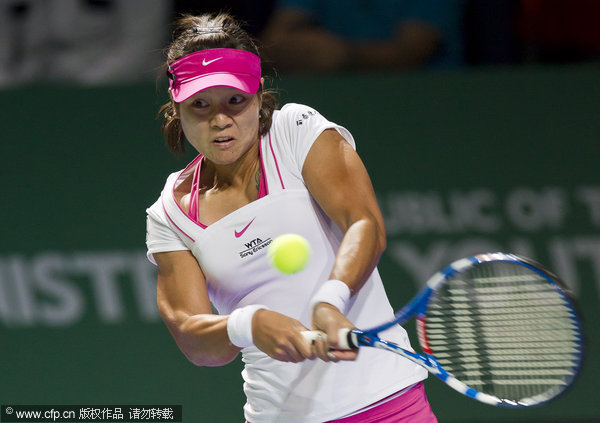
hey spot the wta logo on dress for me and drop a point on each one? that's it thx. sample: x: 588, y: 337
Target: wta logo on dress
x: 254, y: 246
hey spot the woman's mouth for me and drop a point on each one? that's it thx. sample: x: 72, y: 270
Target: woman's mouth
x: 223, y: 139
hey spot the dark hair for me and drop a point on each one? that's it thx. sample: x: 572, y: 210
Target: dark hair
x: 195, y: 33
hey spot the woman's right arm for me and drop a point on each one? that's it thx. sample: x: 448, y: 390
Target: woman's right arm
x: 185, y: 308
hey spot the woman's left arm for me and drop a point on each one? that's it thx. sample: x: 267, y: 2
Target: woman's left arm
x: 339, y: 182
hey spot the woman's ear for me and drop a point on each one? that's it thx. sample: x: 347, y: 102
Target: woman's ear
x: 261, y: 88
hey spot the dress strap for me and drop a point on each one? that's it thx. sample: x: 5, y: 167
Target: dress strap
x: 193, y: 211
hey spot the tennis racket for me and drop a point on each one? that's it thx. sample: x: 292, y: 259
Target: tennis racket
x: 496, y: 327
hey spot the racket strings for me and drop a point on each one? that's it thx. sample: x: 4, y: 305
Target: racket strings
x: 503, y: 329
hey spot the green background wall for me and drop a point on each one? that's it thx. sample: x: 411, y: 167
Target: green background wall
x: 461, y: 162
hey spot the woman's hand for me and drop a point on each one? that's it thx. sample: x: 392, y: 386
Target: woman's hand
x: 280, y: 337
x: 328, y: 319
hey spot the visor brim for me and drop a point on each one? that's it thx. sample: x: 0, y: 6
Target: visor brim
x: 243, y: 82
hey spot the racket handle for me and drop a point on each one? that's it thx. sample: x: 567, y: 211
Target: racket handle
x: 345, y: 340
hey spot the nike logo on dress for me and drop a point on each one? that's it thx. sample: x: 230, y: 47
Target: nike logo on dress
x: 240, y: 233
x: 205, y: 63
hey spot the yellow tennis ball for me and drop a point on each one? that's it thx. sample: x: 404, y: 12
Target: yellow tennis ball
x: 289, y: 253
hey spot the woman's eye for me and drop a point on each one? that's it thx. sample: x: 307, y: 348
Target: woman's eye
x: 200, y: 103
x: 237, y: 99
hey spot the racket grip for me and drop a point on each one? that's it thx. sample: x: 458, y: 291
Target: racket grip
x: 345, y: 341
x: 312, y: 335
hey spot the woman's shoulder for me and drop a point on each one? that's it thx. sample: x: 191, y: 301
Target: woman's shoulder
x: 175, y: 184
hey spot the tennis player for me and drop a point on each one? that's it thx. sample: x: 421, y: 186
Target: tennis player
x: 262, y: 172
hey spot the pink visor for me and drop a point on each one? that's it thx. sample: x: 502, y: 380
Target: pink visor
x: 214, y: 68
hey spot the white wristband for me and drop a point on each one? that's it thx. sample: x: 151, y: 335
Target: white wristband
x: 333, y: 292
x: 239, y: 325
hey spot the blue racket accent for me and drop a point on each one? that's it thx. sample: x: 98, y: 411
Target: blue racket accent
x: 448, y: 271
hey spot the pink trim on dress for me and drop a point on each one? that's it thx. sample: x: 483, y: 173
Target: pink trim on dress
x: 192, y: 163
x: 276, y: 164
x: 263, y: 188
x: 175, y: 224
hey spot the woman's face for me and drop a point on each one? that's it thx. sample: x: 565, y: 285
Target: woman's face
x: 221, y: 123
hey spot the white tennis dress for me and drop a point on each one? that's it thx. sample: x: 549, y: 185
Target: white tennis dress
x: 232, y: 253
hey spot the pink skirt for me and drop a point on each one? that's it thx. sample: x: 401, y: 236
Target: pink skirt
x: 412, y: 406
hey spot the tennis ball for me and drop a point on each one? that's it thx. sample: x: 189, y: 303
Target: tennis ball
x: 289, y: 253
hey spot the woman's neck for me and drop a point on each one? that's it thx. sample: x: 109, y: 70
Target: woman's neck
x: 234, y: 175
